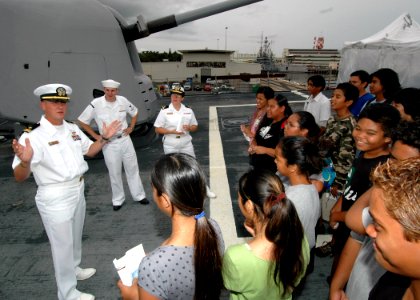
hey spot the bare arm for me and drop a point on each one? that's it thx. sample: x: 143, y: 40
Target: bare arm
x: 354, y: 215
x: 345, y: 265
x: 336, y: 214
x: 247, y: 130
x: 88, y: 129
x: 262, y: 150
x: 129, y: 292
x: 190, y: 128
x: 162, y: 130
x: 319, y: 185
x: 134, y: 292
x: 130, y: 128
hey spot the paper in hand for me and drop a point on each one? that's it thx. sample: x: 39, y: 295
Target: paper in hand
x: 128, y: 265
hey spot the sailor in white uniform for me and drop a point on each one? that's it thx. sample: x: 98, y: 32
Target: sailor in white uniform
x: 175, y: 122
x: 119, y: 151
x: 53, y: 151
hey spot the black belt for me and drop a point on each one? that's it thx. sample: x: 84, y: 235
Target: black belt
x: 115, y: 137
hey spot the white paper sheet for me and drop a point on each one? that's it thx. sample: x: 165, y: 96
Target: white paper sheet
x: 128, y: 265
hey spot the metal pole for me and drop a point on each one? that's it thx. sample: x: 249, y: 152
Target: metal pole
x: 226, y: 38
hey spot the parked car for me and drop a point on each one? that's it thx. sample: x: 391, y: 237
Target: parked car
x: 175, y: 84
x: 207, y: 87
x: 224, y: 88
x: 197, y: 87
x: 187, y: 86
x: 164, y: 90
x: 214, y: 81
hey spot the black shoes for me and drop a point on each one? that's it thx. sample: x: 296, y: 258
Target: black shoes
x: 116, y: 207
x: 144, y: 201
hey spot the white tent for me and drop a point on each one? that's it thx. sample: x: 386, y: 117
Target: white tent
x: 397, y: 46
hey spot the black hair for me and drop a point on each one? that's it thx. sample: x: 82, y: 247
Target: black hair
x: 409, y: 98
x: 307, y: 121
x: 350, y: 91
x: 407, y: 133
x: 363, y: 76
x: 283, y: 226
x: 267, y: 91
x: 389, y: 81
x: 384, y: 114
x: 180, y: 177
x: 318, y: 81
x: 282, y: 101
x: 301, y: 152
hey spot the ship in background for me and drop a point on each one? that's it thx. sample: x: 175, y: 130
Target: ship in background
x: 297, y: 64
x: 266, y: 57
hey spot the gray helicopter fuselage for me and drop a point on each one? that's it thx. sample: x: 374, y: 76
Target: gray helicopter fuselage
x: 78, y: 43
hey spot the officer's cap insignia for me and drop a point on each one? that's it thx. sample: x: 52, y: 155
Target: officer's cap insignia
x: 61, y: 91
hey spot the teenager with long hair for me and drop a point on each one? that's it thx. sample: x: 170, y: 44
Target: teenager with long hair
x: 296, y: 159
x: 188, y: 264
x: 278, y: 251
x: 271, y: 130
x: 384, y: 84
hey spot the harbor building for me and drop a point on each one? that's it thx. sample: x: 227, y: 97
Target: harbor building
x: 199, y: 65
x: 311, y: 60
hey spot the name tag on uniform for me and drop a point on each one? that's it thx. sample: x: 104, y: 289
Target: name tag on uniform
x: 52, y: 143
x: 75, y: 136
x: 170, y: 113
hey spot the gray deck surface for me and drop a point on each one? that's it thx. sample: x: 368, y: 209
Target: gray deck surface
x: 26, y: 270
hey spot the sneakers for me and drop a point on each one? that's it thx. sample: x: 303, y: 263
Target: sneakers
x: 84, y: 296
x: 324, y: 250
x: 82, y: 274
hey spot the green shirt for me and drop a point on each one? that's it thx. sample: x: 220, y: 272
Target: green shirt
x: 247, y: 276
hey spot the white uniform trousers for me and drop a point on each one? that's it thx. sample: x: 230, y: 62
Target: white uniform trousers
x: 181, y: 144
x: 62, y: 208
x: 117, y: 153
x: 178, y: 144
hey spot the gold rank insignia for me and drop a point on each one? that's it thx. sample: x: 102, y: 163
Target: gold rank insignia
x: 61, y: 91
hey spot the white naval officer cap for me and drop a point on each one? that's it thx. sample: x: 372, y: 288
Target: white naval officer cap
x: 109, y: 83
x: 55, y: 92
x: 178, y: 90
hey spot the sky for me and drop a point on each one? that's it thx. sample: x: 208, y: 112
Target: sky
x: 286, y: 24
